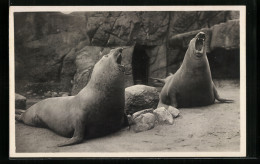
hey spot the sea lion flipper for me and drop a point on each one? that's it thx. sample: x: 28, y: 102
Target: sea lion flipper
x: 158, y: 80
x: 72, y: 141
x: 19, y: 111
x: 166, y: 100
x: 18, y: 117
x: 78, y: 136
x: 217, y: 97
x: 174, y: 101
x: 126, y: 122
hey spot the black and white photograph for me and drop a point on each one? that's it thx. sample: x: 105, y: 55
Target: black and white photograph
x: 127, y: 81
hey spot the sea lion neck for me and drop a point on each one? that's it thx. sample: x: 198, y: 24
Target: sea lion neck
x: 191, y: 62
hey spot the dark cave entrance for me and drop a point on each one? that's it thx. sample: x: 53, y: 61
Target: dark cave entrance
x: 224, y: 64
x: 140, y: 65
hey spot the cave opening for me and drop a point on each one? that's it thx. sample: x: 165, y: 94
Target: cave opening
x: 140, y: 65
x: 224, y: 64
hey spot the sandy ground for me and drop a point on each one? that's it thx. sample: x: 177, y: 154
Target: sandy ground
x: 213, y: 128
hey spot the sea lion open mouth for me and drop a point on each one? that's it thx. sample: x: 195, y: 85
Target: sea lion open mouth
x: 119, y: 60
x: 199, y: 43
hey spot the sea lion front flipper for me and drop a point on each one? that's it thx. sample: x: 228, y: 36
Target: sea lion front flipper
x: 126, y: 122
x: 174, y: 101
x: 166, y: 100
x: 218, y: 98
x: 78, y: 136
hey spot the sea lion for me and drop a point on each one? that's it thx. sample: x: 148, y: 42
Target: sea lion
x: 97, y: 110
x: 192, y: 84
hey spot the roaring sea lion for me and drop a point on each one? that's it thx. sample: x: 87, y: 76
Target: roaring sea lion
x: 97, y: 110
x: 192, y: 84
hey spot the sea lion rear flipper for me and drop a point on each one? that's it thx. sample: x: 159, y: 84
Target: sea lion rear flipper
x: 18, y: 117
x: 174, y: 101
x: 158, y: 80
x: 218, y: 98
x: 19, y: 111
x: 78, y: 136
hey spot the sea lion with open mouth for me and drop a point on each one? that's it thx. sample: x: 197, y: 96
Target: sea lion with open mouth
x: 192, y: 84
x: 97, y: 110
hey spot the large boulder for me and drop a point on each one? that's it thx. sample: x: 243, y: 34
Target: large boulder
x: 20, y: 101
x: 139, y: 97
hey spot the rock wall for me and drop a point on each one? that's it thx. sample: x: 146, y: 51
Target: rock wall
x: 220, y: 39
x: 61, y: 49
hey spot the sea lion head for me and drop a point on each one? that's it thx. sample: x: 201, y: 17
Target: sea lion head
x: 113, y: 59
x: 197, y: 48
x: 109, y: 67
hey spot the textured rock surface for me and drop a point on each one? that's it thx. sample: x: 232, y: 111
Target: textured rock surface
x: 144, y: 122
x: 182, y: 22
x: 20, y: 101
x: 136, y: 114
x: 174, y: 111
x: 48, y: 45
x: 163, y: 115
x: 139, y: 97
x: 125, y: 28
x: 226, y: 35
x: 219, y: 38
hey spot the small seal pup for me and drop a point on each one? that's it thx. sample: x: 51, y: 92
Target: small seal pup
x: 192, y: 84
x: 97, y: 110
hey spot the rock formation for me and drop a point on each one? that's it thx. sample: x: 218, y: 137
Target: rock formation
x: 53, y: 48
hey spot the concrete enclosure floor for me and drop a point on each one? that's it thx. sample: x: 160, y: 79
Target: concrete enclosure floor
x: 213, y: 128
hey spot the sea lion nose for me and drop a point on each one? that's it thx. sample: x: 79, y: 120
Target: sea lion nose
x: 121, y: 49
x: 201, y: 35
